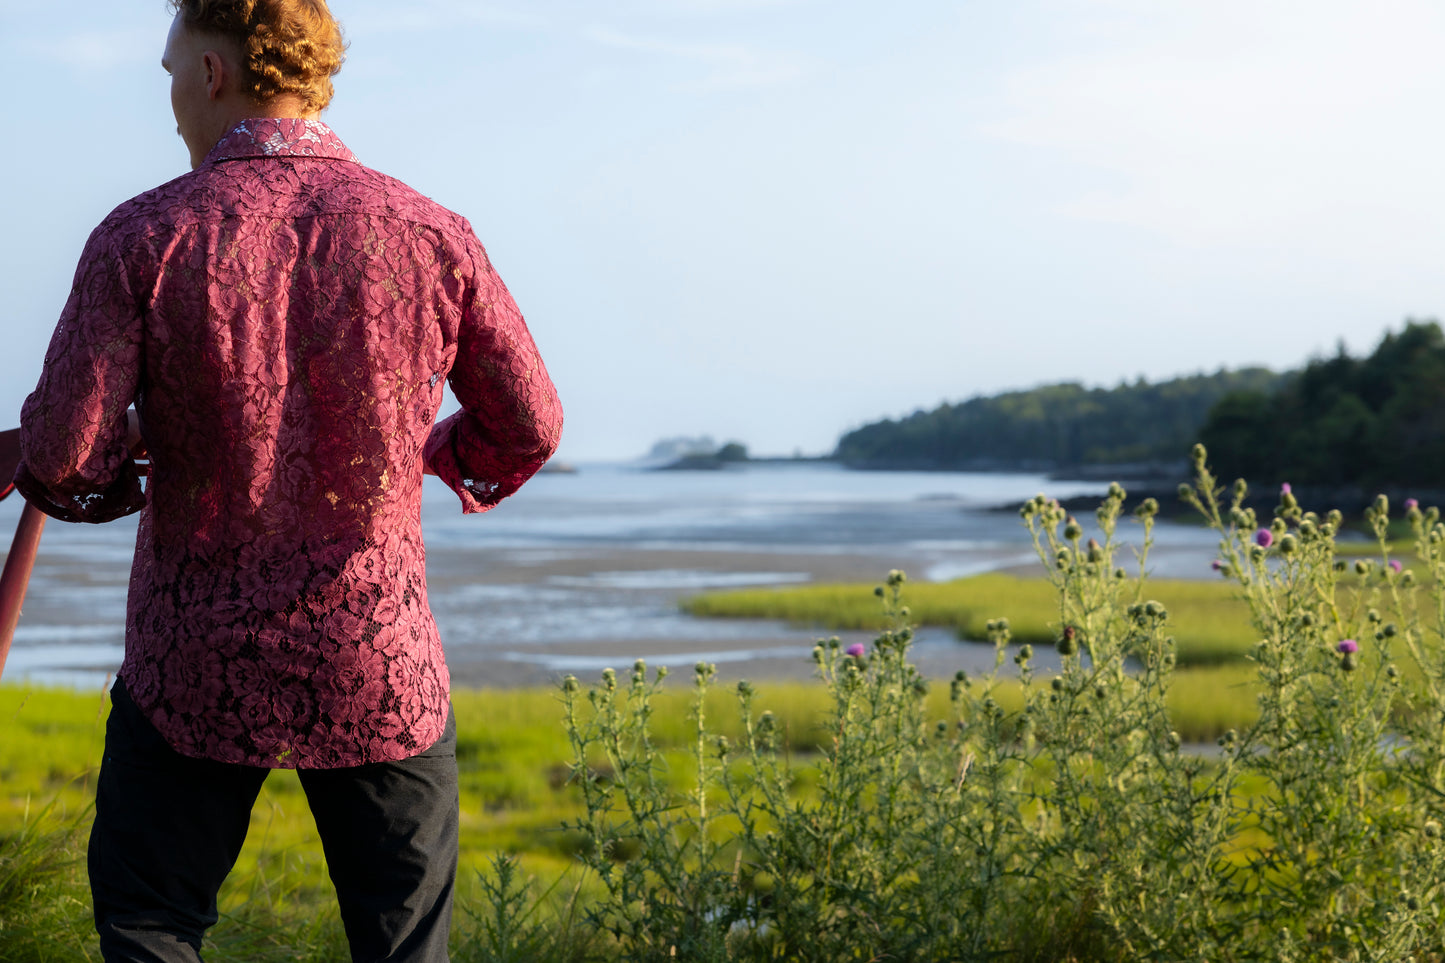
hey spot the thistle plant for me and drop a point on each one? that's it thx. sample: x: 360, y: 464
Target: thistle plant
x: 1341, y: 863
x: 649, y: 842
x: 1134, y: 826
x: 1047, y: 816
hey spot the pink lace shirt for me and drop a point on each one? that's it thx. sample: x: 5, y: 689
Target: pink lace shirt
x: 283, y: 319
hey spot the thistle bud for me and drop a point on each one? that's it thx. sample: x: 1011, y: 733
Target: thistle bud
x: 1072, y: 530
x: 1148, y: 508
x: 1288, y: 544
x: 1199, y: 455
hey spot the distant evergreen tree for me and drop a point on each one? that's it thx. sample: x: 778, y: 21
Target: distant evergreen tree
x: 733, y: 451
x: 1376, y: 421
x: 1054, y: 426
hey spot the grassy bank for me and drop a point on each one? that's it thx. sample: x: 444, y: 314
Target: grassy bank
x: 1213, y: 625
x: 513, y: 761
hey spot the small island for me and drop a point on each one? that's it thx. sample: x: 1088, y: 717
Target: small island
x: 695, y: 454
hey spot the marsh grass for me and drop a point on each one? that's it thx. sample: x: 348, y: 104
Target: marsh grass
x: 514, y: 765
x: 1213, y: 622
x: 513, y: 761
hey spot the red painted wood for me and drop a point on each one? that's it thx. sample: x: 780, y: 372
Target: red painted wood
x: 16, y: 577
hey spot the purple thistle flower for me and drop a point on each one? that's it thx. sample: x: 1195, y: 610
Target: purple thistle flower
x: 1285, y: 489
x: 856, y: 650
x: 1348, y: 646
x: 1264, y: 538
x: 1217, y: 565
x: 1395, y: 565
x: 1411, y: 504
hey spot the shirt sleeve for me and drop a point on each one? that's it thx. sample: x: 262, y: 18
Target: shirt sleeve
x: 511, y: 419
x: 74, y: 462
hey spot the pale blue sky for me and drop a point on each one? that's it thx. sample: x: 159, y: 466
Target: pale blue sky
x: 773, y: 220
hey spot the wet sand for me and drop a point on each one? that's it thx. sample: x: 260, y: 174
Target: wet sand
x: 741, y: 649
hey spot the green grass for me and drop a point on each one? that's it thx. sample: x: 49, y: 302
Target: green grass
x: 1214, y: 624
x: 512, y: 758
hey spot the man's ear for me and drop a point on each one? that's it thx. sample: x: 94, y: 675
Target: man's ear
x: 215, y: 73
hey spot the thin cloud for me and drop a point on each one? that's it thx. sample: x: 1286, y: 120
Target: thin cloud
x: 423, y: 15
x: 713, y: 6
x: 102, y: 50
x: 727, y: 66
x: 1248, y: 125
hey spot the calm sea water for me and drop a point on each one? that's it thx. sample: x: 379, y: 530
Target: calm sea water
x: 583, y: 570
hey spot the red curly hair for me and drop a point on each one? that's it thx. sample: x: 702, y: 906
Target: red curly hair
x: 288, y: 46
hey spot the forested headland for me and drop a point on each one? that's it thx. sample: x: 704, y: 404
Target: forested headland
x: 1339, y: 424
x: 1055, y: 427
x: 1376, y: 422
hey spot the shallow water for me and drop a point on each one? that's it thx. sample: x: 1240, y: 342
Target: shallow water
x: 581, y: 571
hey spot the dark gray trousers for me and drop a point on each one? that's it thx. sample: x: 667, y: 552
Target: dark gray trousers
x: 168, y: 829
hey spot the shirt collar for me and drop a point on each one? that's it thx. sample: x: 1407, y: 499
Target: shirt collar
x: 279, y: 137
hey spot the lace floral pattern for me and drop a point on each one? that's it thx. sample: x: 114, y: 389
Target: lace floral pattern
x: 282, y: 318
